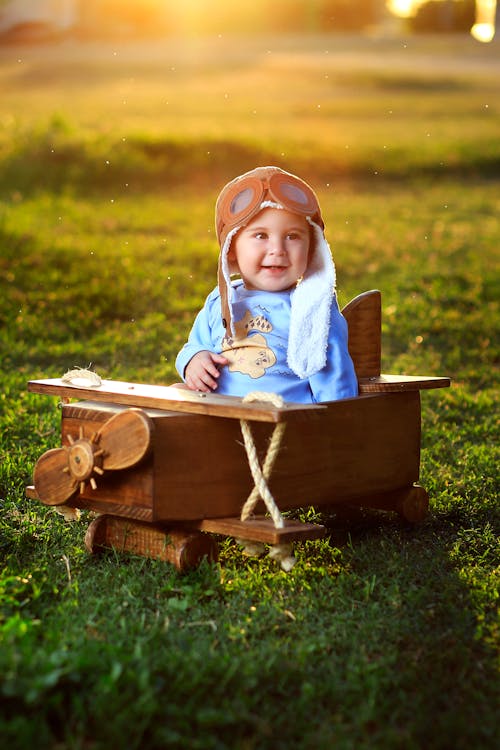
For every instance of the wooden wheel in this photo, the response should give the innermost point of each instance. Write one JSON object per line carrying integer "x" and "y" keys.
{"x": 184, "y": 547}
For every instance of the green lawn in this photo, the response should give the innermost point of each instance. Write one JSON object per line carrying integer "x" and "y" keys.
{"x": 382, "y": 636}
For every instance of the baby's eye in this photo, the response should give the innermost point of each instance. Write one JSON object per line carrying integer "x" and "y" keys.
{"x": 260, "y": 236}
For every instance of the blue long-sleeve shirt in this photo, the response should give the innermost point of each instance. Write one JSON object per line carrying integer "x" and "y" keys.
{"x": 258, "y": 356}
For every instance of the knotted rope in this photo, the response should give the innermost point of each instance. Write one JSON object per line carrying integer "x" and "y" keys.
{"x": 261, "y": 474}
{"x": 280, "y": 552}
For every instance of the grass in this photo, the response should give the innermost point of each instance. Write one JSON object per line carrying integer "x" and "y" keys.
{"x": 382, "y": 636}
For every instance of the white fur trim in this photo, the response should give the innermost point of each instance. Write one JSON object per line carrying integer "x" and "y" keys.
{"x": 270, "y": 204}
{"x": 227, "y": 274}
{"x": 310, "y": 311}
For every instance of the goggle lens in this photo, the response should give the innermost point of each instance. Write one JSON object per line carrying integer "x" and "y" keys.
{"x": 241, "y": 201}
{"x": 294, "y": 193}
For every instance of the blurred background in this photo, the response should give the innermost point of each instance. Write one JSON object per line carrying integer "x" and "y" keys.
{"x": 120, "y": 120}
{"x": 37, "y": 20}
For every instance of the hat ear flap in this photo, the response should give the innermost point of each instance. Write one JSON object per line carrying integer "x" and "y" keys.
{"x": 232, "y": 263}
{"x": 226, "y": 266}
{"x": 311, "y": 310}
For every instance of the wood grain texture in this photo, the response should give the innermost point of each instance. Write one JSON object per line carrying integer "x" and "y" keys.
{"x": 125, "y": 438}
{"x": 184, "y": 548}
{"x": 52, "y": 485}
{"x": 398, "y": 383}
{"x": 261, "y": 529}
{"x": 173, "y": 398}
{"x": 364, "y": 320}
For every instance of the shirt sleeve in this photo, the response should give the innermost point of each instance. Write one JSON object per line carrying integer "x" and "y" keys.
{"x": 201, "y": 337}
{"x": 337, "y": 379}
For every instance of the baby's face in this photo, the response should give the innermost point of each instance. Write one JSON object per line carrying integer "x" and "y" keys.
{"x": 272, "y": 251}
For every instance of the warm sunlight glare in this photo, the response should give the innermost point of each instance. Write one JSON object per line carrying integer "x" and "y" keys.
{"x": 484, "y": 28}
{"x": 403, "y": 8}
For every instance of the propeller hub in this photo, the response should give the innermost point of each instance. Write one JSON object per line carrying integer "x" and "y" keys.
{"x": 81, "y": 460}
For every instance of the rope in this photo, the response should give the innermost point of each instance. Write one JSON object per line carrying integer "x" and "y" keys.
{"x": 279, "y": 552}
{"x": 261, "y": 475}
{"x": 283, "y": 554}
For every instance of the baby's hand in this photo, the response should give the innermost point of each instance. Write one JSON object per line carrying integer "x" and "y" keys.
{"x": 202, "y": 372}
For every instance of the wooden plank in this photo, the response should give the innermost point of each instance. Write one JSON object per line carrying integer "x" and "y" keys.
{"x": 109, "y": 507}
{"x": 398, "y": 383}
{"x": 261, "y": 529}
{"x": 173, "y": 398}
{"x": 364, "y": 320}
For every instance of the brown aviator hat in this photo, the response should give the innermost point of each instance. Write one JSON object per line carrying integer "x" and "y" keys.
{"x": 238, "y": 202}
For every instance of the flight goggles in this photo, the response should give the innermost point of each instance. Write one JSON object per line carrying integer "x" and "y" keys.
{"x": 241, "y": 199}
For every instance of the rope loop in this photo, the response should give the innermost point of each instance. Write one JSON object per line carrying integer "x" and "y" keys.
{"x": 274, "y": 398}
{"x": 261, "y": 474}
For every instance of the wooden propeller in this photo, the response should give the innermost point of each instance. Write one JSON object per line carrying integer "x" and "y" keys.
{"x": 120, "y": 443}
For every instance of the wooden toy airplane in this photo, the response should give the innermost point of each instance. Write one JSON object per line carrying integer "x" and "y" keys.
{"x": 167, "y": 468}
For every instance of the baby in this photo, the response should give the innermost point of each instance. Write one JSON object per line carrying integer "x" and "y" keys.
{"x": 277, "y": 328}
